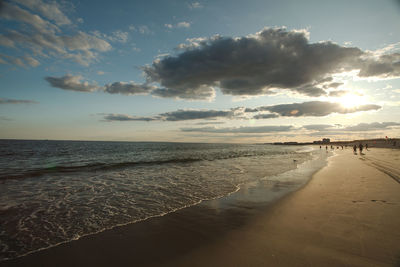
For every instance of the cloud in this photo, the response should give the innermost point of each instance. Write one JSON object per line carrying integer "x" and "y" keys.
{"x": 338, "y": 93}
{"x": 296, "y": 131}
{"x": 182, "y": 24}
{"x": 315, "y": 108}
{"x": 243, "y": 129}
{"x": 195, "y": 5}
{"x": 362, "y": 127}
{"x": 179, "y": 115}
{"x": 119, "y": 36}
{"x": 143, "y": 29}
{"x": 41, "y": 37}
{"x": 13, "y": 12}
{"x": 210, "y": 122}
{"x": 200, "y": 93}
{"x": 16, "y": 101}
{"x": 385, "y": 66}
{"x": 345, "y": 130}
{"x": 31, "y": 61}
{"x": 333, "y": 85}
{"x": 50, "y": 10}
{"x": 318, "y": 127}
{"x": 73, "y": 83}
{"x": 262, "y": 63}
{"x": 253, "y": 65}
{"x": 128, "y": 88}
{"x": 22, "y": 62}
{"x": 124, "y": 117}
{"x": 265, "y": 116}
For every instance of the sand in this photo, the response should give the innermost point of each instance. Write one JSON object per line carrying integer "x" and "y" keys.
{"x": 347, "y": 215}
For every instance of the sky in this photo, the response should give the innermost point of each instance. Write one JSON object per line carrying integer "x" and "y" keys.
{"x": 199, "y": 71}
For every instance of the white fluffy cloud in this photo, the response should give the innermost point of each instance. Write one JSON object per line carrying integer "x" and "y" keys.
{"x": 42, "y": 34}
{"x": 195, "y": 5}
{"x": 182, "y": 24}
{"x": 49, "y": 10}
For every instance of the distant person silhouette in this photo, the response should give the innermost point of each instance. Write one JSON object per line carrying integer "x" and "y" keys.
{"x": 355, "y": 149}
{"x": 360, "y": 147}
{"x": 366, "y": 147}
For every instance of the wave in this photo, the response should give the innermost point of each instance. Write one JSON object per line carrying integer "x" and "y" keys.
{"x": 101, "y": 166}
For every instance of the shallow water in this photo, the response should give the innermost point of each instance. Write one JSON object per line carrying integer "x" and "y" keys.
{"x": 56, "y": 191}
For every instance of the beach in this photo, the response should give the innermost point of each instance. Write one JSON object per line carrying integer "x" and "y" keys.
{"x": 346, "y": 215}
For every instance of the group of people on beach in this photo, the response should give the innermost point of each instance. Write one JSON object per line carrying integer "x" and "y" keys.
{"x": 360, "y": 147}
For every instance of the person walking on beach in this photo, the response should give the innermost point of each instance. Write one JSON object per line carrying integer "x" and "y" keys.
{"x": 360, "y": 147}
{"x": 366, "y": 147}
{"x": 355, "y": 149}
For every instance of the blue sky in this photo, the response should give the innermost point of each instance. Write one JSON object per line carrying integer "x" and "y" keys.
{"x": 199, "y": 71}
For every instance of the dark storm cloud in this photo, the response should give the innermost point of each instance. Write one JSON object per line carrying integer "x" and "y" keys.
{"x": 16, "y": 101}
{"x": 244, "y": 129}
{"x": 314, "y": 108}
{"x": 272, "y": 58}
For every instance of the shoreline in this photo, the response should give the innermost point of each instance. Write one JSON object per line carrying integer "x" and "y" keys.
{"x": 202, "y": 235}
{"x": 340, "y": 218}
{"x": 242, "y": 204}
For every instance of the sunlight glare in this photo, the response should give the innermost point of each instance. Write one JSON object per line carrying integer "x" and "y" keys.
{"x": 351, "y": 100}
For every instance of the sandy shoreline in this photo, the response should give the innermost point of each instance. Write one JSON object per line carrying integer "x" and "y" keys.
{"x": 347, "y": 215}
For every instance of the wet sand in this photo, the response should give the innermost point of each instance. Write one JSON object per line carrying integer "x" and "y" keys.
{"x": 347, "y": 215}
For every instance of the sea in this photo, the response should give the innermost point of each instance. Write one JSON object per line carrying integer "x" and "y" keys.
{"x": 53, "y": 192}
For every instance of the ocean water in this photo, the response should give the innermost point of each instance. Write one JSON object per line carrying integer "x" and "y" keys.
{"x": 53, "y": 192}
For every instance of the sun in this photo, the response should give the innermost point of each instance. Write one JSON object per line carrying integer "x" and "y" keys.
{"x": 351, "y": 100}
